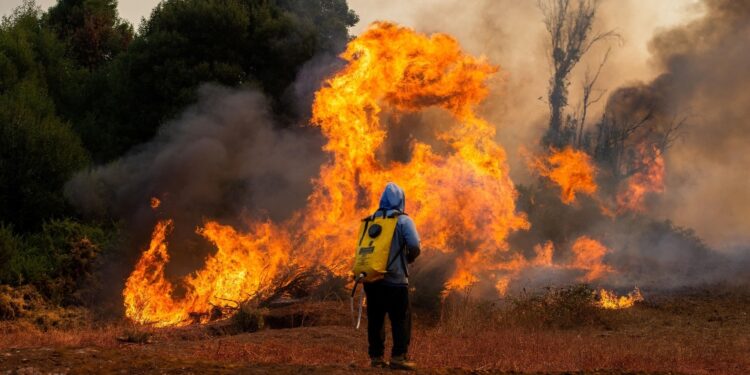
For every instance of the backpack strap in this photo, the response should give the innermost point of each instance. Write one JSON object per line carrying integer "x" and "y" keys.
{"x": 400, "y": 253}
{"x": 367, "y": 221}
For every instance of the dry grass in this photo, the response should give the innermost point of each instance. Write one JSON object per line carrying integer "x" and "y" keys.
{"x": 695, "y": 333}
{"x": 26, "y": 335}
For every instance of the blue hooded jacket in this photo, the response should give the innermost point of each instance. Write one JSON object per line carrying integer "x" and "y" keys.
{"x": 405, "y": 237}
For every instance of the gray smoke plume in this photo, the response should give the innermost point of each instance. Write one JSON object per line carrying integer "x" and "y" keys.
{"x": 707, "y": 77}
{"x": 222, "y": 159}
{"x": 705, "y": 204}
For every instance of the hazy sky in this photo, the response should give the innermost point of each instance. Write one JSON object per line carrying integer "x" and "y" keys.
{"x": 132, "y": 10}
{"x": 661, "y": 13}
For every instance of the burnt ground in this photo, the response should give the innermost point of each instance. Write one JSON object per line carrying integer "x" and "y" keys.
{"x": 693, "y": 332}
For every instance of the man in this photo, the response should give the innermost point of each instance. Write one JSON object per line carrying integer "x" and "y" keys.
{"x": 391, "y": 294}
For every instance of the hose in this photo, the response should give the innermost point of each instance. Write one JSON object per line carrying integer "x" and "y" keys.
{"x": 357, "y": 281}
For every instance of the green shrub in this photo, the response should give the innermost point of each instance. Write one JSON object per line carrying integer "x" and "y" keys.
{"x": 58, "y": 261}
{"x": 9, "y": 245}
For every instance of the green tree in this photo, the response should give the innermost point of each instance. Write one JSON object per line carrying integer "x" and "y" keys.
{"x": 38, "y": 150}
{"x": 185, "y": 43}
{"x": 94, "y": 32}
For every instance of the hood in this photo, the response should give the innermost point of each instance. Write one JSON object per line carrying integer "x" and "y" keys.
{"x": 393, "y": 198}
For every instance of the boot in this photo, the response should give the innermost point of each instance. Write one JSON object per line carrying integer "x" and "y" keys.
{"x": 378, "y": 362}
{"x": 400, "y": 362}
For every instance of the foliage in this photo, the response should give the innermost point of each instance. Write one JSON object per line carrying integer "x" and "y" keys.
{"x": 185, "y": 43}
{"x": 92, "y": 29}
{"x": 77, "y": 83}
{"x": 18, "y": 302}
{"x": 38, "y": 150}
{"x": 59, "y": 260}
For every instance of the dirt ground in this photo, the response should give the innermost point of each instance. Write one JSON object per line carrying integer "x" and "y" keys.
{"x": 697, "y": 332}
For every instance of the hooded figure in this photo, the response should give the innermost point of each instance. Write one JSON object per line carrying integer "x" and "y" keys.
{"x": 391, "y": 294}
{"x": 405, "y": 244}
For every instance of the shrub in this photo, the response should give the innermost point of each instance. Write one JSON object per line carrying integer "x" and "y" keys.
{"x": 18, "y": 302}
{"x": 566, "y": 307}
{"x": 58, "y": 261}
{"x": 460, "y": 315}
{"x": 9, "y": 246}
{"x": 249, "y": 318}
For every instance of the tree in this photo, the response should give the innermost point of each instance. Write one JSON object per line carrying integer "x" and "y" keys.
{"x": 569, "y": 28}
{"x": 92, "y": 29}
{"x": 185, "y": 43}
{"x": 634, "y": 126}
{"x": 38, "y": 150}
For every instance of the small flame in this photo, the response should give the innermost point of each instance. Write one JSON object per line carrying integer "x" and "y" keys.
{"x": 544, "y": 254}
{"x": 609, "y": 299}
{"x": 570, "y": 169}
{"x": 155, "y": 203}
{"x": 649, "y": 179}
{"x": 589, "y": 255}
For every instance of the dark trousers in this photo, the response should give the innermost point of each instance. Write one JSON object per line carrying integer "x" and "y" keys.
{"x": 392, "y": 300}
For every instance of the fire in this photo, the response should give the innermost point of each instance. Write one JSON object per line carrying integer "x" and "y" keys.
{"x": 570, "y": 169}
{"x": 155, "y": 203}
{"x": 649, "y": 179}
{"x": 462, "y": 200}
{"x": 147, "y": 293}
{"x": 544, "y": 254}
{"x": 240, "y": 267}
{"x": 610, "y": 300}
{"x": 589, "y": 255}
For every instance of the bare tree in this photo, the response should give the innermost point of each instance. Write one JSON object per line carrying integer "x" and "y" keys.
{"x": 588, "y": 88}
{"x": 569, "y": 27}
{"x": 620, "y": 135}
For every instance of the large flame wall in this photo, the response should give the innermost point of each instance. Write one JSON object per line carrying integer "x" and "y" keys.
{"x": 462, "y": 200}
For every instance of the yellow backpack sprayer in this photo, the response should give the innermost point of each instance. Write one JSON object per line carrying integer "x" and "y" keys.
{"x": 373, "y": 250}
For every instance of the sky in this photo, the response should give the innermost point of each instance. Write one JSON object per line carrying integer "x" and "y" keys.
{"x": 661, "y": 13}
{"x": 131, "y": 10}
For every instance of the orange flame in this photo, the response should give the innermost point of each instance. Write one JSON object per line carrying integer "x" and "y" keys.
{"x": 570, "y": 169}
{"x": 610, "y": 300}
{"x": 650, "y": 179}
{"x": 589, "y": 255}
{"x": 155, "y": 203}
{"x": 544, "y": 254}
{"x": 462, "y": 201}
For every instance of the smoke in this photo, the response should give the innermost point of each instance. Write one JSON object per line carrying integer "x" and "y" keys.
{"x": 511, "y": 34}
{"x": 223, "y": 159}
{"x": 706, "y": 78}
{"x": 680, "y": 59}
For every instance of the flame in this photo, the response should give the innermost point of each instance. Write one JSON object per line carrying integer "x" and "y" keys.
{"x": 610, "y": 300}
{"x": 570, "y": 169}
{"x": 589, "y": 255}
{"x": 462, "y": 200}
{"x": 544, "y": 254}
{"x": 155, "y": 203}
{"x": 147, "y": 294}
{"x": 649, "y": 179}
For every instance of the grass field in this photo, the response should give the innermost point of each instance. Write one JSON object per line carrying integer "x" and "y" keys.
{"x": 694, "y": 332}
